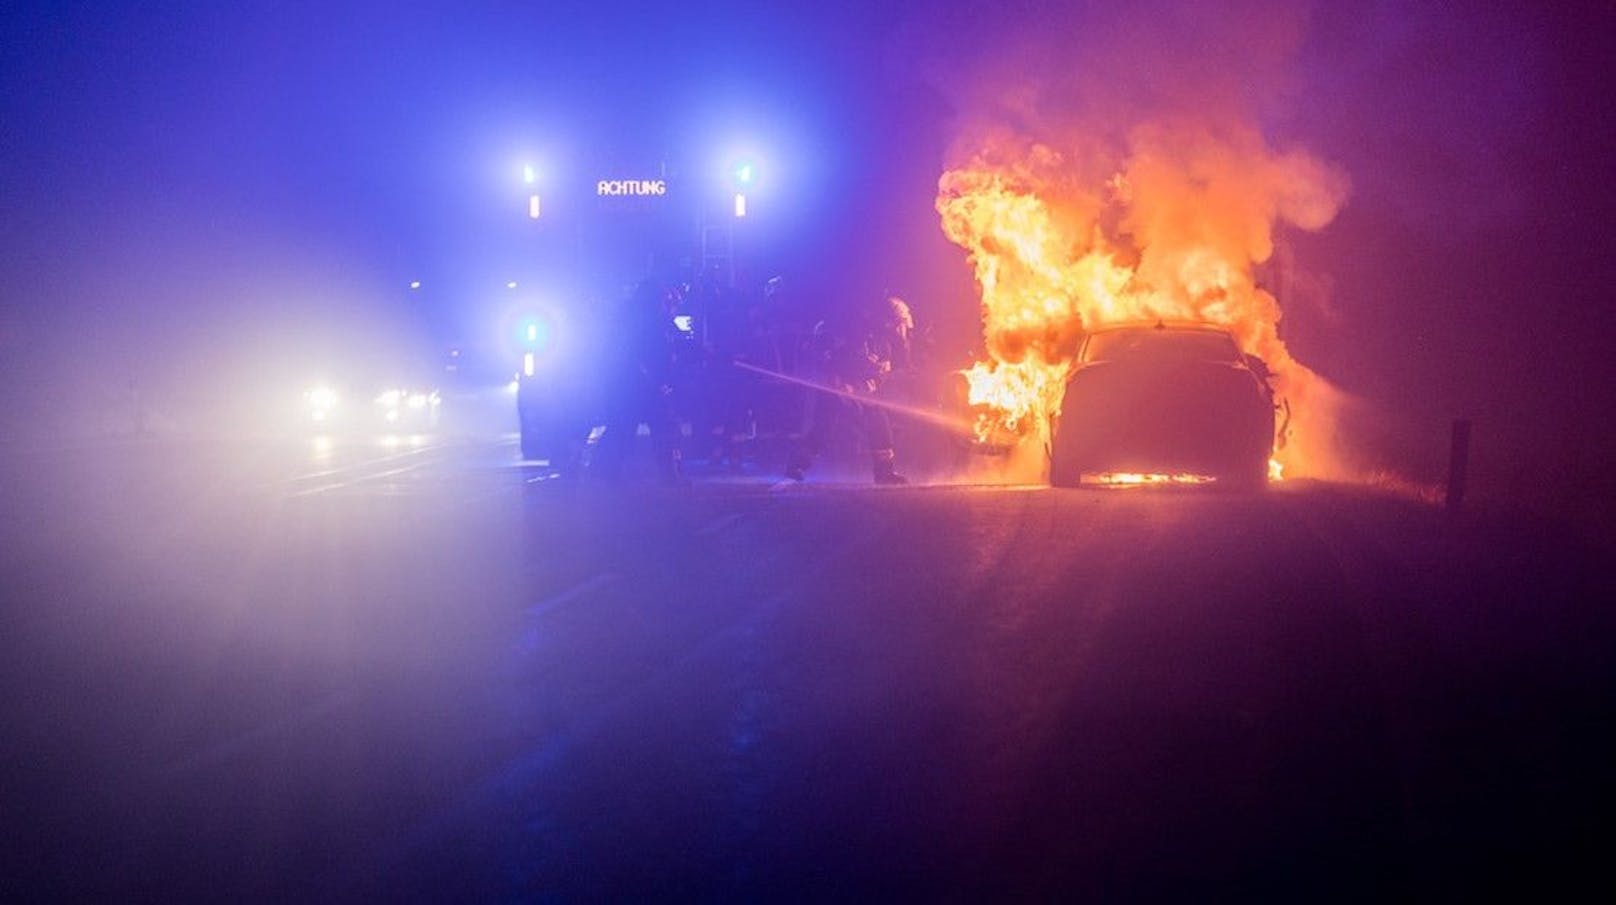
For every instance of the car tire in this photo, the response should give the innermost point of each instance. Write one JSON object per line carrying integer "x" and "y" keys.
{"x": 1064, "y": 470}
{"x": 532, "y": 446}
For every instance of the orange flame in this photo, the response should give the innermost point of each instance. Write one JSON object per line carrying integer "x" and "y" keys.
{"x": 1134, "y": 479}
{"x": 1172, "y": 225}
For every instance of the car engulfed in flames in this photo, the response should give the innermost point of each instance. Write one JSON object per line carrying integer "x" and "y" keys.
{"x": 1152, "y": 404}
{"x": 1077, "y": 236}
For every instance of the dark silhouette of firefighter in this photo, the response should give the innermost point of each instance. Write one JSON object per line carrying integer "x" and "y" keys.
{"x": 852, "y": 363}
{"x": 892, "y": 332}
{"x": 725, "y": 331}
{"x": 643, "y": 356}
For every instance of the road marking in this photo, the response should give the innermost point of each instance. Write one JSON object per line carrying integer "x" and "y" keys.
{"x": 531, "y": 636}
{"x": 556, "y": 601}
{"x": 310, "y": 491}
{"x": 367, "y": 463}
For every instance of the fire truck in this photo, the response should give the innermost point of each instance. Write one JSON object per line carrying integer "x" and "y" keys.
{"x": 596, "y": 237}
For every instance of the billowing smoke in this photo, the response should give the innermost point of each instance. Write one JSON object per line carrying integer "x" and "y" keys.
{"x": 1122, "y": 165}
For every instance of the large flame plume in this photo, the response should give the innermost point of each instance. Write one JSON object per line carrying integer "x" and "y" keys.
{"x": 1169, "y": 222}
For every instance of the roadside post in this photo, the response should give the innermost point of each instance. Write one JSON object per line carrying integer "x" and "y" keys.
{"x": 1458, "y": 465}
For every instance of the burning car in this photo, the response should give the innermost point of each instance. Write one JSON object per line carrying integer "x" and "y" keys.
{"x": 1164, "y": 403}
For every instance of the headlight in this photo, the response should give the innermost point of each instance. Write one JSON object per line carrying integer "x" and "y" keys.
{"x": 321, "y": 401}
{"x": 404, "y": 402}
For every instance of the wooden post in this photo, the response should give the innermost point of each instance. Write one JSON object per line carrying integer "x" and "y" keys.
{"x": 1458, "y": 465}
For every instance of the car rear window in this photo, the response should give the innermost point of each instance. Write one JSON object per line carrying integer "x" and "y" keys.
{"x": 1172, "y": 345}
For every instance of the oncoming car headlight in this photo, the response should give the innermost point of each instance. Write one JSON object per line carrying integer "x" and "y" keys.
{"x": 321, "y": 401}
{"x": 396, "y": 404}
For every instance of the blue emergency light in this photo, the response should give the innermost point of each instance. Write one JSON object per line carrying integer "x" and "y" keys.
{"x": 535, "y": 333}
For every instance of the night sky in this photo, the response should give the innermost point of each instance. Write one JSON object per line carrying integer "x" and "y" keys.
{"x": 182, "y": 178}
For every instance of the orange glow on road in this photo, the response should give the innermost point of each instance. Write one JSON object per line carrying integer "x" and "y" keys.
{"x": 1136, "y": 479}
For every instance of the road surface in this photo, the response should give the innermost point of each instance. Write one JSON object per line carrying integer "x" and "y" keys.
{"x": 422, "y": 671}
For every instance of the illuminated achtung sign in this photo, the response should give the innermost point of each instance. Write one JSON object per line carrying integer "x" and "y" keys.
{"x": 614, "y": 187}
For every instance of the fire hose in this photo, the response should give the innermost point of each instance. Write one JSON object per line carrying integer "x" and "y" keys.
{"x": 909, "y": 411}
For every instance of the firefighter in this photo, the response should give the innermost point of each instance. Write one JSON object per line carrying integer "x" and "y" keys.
{"x": 892, "y": 331}
{"x": 854, "y": 363}
{"x": 640, "y": 383}
{"x": 723, "y": 333}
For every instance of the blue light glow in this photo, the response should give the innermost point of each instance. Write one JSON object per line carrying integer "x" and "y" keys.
{"x": 535, "y": 333}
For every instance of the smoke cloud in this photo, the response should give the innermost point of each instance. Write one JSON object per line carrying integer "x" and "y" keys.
{"x": 1116, "y": 164}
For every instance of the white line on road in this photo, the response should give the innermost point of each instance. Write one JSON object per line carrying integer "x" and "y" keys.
{"x": 358, "y": 465}
{"x": 582, "y": 588}
{"x": 531, "y": 635}
{"x": 310, "y": 491}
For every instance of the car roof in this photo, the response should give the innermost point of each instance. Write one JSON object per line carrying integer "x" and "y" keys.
{"x": 1163, "y": 326}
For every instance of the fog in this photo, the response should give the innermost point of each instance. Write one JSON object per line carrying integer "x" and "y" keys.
{"x": 200, "y": 201}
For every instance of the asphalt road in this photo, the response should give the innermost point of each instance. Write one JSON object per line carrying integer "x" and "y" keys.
{"x": 420, "y": 671}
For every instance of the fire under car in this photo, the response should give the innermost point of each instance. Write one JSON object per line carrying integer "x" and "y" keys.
{"x": 1164, "y": 403}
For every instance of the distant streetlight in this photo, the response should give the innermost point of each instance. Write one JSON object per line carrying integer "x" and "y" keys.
{"x": 511, "y": 285}
{"x": 533, "y": 207}
{"x": 740, "y": 204}
{"x": 528, "y": 175}
{"x": 415, "y": 284}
